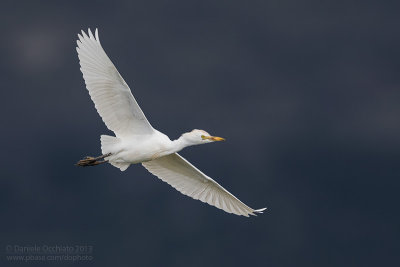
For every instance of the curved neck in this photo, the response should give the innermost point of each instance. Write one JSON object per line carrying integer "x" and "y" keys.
{"x": 179, "y": 144}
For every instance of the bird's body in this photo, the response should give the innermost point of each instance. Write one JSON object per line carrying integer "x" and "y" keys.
{"x": 137, "y": 149}
{"x": 136, "y": 141}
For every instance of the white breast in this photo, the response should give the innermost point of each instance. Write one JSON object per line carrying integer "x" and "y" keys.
{"x": 144, "y": 148}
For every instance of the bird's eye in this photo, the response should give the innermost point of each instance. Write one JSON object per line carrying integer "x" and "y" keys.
{"x": 203, "y": 137}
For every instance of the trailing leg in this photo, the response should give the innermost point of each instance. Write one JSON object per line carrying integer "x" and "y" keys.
{"x": 92, "y": 161}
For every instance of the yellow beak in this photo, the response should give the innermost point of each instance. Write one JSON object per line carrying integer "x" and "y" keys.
{"x": 214, "y": 138}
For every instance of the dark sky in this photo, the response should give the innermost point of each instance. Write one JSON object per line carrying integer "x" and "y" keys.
{"x": 307, "y": 94}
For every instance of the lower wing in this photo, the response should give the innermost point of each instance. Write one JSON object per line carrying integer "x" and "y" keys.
{"x": 187, "y": 179}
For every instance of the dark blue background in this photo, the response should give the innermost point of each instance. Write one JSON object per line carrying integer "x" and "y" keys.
{"x": 307, "y": 94}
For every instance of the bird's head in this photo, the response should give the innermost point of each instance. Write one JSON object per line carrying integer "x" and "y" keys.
{"x": 197, "y": 137}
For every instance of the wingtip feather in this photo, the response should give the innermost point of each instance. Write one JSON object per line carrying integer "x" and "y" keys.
{"x": 80, "y": 37}
{"x": 96, "y": 33}
{"x": 260, "y": 210}
{"x": 90, "y": 33}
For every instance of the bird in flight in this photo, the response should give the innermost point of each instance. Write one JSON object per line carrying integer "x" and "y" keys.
{"x": 136, "y": 141}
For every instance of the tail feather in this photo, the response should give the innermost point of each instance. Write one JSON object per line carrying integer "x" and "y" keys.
{"x": 109, "y": 144}
{"x": 121, "y": 165}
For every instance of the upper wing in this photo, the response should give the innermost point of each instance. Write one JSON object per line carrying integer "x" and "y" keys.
{"x": 110, "y": 93}
{"x": 184, "y": 177}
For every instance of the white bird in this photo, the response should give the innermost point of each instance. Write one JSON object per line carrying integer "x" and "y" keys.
{"x": 136, "y": 141}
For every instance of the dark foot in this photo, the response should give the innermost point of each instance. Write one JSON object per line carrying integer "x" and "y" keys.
{"x": 91, "y": 161}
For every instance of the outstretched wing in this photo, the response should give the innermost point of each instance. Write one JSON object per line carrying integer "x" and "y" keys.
{"x": 110, "y": 93}
{"x": 184, "y": 177}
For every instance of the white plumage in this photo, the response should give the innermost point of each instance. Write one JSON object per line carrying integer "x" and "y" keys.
{"x": 136, "y": 141}
{"x": 110, "y": 93}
